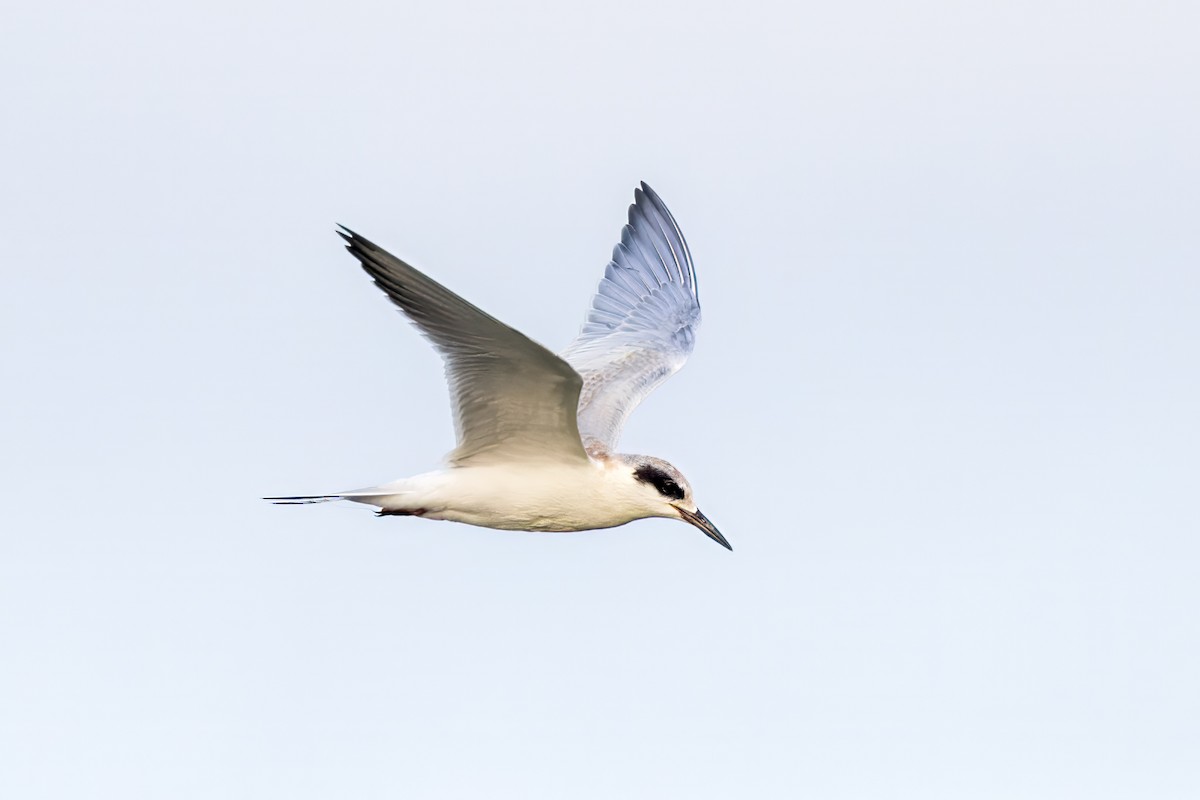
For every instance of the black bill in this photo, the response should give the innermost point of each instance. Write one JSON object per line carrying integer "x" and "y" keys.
{"x": 701, "y": 522}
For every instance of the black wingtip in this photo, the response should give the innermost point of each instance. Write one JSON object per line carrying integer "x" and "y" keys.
{"x": 356, "y": 243}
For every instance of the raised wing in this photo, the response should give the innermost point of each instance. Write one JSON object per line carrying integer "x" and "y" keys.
{"x": 642, "y": 323}
{"x": 513, "y": 399}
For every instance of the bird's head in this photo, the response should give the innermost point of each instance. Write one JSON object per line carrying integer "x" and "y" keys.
{"x": 664, "y": 492}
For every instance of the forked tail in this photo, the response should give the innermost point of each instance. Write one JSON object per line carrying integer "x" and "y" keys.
{"x": 304, "y": 499}
{"x": 373, "y": 496}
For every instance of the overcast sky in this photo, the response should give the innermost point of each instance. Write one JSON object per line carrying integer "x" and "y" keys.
{"x": 943, "y": 405}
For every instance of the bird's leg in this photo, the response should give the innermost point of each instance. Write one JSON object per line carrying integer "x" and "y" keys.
{"x": 401, "y": 512}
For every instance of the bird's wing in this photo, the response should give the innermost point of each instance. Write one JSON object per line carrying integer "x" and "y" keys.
{"x": 642, "y": 324}
{"x": 513, "y": 399}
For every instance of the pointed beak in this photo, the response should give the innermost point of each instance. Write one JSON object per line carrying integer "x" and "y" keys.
{"x": 701, "y": 522}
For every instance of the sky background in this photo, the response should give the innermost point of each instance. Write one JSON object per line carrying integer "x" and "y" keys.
{"x": 944, "y": 403}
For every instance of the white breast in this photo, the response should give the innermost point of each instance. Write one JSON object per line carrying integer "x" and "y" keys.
{"x": 528, "y": 497}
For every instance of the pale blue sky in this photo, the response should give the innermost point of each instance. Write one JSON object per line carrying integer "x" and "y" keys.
{"x": 944, "y": 404}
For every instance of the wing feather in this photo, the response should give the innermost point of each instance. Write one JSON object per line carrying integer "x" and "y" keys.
{"x": 513, "y": 399}
{"x": 642, "y": 324}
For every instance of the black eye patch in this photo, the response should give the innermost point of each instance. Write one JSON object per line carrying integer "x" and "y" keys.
{"x": 665, "y": 485}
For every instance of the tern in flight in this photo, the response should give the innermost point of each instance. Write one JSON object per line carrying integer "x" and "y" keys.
{"x": 537, "y": 433}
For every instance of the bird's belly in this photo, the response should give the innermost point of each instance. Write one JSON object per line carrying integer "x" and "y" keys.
{"x": 513, "y": 515}
{"x": 534, "y": 500}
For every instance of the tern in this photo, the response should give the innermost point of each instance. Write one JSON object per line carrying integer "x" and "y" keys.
{"x": 537, "y": 432}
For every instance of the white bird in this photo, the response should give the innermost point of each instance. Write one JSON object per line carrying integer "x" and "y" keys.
{"x": 537, "y": 433}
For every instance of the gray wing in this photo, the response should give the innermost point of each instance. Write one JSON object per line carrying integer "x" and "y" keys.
{"x": 642, "y": 324}
{"x": 513, "y": 399}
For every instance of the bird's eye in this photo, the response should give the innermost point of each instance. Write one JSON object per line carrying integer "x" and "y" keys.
{"x": 669, "y": 488}
{"x": 663, "y": 484}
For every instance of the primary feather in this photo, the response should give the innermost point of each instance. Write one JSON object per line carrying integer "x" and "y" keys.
{"x": 642, "y": 323}
{"x": 512, "y": 398}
